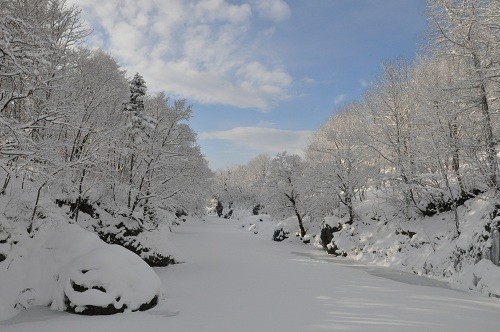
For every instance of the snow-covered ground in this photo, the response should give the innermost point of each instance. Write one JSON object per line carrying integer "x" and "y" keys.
{"x": 235, "y": 280}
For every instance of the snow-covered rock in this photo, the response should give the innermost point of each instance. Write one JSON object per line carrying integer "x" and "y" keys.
{"x": 106, "y": 280}
{"x": 284, "y": 228}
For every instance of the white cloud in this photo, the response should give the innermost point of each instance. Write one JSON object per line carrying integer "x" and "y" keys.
{"x": 263, "y": 139}
{"x": 339, "y": 99}
{"x": 307, "y": 81}
{"x": 277, "y": 10}
{"x": 363, "y": 83}
{"x": 219, "y": 10}
{"x": 256, "y": 74}
{"x": 266, "y": 124}
{"x": 200, "y": 50}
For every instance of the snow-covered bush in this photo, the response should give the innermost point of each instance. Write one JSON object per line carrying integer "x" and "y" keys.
{"x": 152, "y": 245}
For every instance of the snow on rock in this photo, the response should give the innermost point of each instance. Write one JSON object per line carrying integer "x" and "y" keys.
{"x": 107, "y": 280}
{"x": 37, "y": 268}
{"x": 284, "y": 228}
{"x": 160, "y": 250}
{"x": 487, "y": 278}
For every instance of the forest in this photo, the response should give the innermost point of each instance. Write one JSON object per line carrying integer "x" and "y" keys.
{"x": 95, "y": 171}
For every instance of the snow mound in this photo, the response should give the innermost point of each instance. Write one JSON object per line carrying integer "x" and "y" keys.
{"x": 483, "y": 277}
{"x": 69, "y": 268}
{"x": 107, "y": 280}
{"x": 253, "y": 223}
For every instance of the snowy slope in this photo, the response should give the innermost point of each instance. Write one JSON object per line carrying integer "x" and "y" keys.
{"x": 423, "y": 245}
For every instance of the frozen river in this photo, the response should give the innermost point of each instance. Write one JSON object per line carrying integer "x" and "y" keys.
{"x": 233, "y": 280}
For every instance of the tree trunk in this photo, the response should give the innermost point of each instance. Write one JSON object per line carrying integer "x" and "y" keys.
{"x": 350, "y": 208}
{"x": 130, "y": 181}
{"x": 79, "y": 199}
{"x": 487, "y": 128}
{"x": 301, "y": 224}
{"x": 30, "y": 226}
{"x": 5, "y": 184}
{"x": 489, "y": 141}
{"x": 455, "y": 161}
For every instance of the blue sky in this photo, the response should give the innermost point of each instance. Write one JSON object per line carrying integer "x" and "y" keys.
{"x": 262, "y": 75}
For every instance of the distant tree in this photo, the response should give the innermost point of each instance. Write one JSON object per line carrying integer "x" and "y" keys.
{"x": 242, "y": 186}
{"x": 284, "y": 196}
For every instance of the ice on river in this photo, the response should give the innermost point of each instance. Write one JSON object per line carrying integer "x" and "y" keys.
{"x": 234, "y": 280}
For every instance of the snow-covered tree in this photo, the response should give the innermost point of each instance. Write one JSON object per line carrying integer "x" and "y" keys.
{"x": 284, "y": 195}
{"x": 468, "y": 30}
{"x": 394, "y": 132}
{"x": 137, "y": 130}
{"x": 340, "y": 162}
{"x": 99, "y": 89}
{"x": 177, "y": 173}
{"x": 25, "y": 54}
{"x": 35, "y": 69}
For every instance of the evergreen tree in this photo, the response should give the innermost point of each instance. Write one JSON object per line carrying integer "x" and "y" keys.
{"x": 138, "y": 125}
